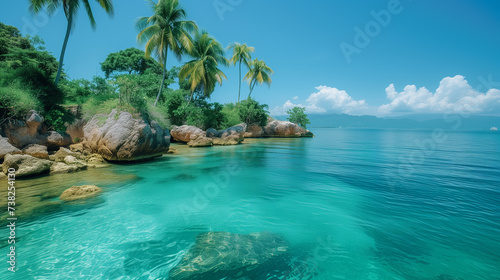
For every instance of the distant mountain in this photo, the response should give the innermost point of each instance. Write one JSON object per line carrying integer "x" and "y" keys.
{"x": 405, "y": 122}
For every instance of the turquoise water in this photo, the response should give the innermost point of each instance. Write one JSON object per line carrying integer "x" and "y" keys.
{"x": 353, "y": 204}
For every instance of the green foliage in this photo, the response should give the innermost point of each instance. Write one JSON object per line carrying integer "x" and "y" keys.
{"x": 131, "y": 60}
{"x": 251, "y": 112}
{"x": 174, "y": 104}
{"x": 259, "y": 73}
{"x": 16, "y": 101}
{"x": 57, "y": 117}
{"x": 298, "y": 116}
{"x": 231, "y": 115}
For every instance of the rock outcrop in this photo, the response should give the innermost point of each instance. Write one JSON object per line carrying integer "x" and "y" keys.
{"x": 216, "y": 255}
{"x": 230, "y": 136}
{"x": 25, "y": 165}
{"x": 31, "y": 131}
{"x": 201, "y": 142}
{"x": 120, "y": 137}
{"x": 37, "y": 151}
{"x": 7, "y": 148}
{"x": 254, "y": 131}
{"x": 186, "y": 133}
{"x": 80, "y": 192}
{"x": 63, "y": 153}
{"x": 286, "y": 129}
{"x": 68, "y": 167}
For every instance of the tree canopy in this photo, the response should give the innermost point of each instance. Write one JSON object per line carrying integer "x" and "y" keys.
{"x": 131, "y": 61}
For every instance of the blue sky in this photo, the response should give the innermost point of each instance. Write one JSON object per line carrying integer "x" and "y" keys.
{"x": 447, "y": 49}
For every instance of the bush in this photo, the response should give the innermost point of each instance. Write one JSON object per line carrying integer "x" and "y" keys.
{"x": 298, "y": 116}
{"x": 16, "y": 102}
{"x": 251, "y": 112}
{"x": 57, "y": 118}
{"x": 231, "y": 115}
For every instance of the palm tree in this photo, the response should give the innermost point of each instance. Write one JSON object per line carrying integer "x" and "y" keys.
{"x": 165, "y": 30}
{"x": 259, "y": 73}
{"x": 203, "y": 71}
{"x": 71, "y": 8}
{"x": 241, "y": 54}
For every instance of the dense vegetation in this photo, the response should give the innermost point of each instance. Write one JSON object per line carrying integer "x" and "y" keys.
{"x": 134, "y": 80}
{"x": 297, "y": 115}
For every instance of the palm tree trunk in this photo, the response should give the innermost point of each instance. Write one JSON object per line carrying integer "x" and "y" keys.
{"x": 251, "y": 88}
{"x": 239, "y": 92}
{"x": 65, "y": 44}
{"x": 163, "y": 79}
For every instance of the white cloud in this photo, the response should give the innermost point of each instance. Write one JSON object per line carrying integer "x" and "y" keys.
{"x": 327, "y": 100}
{"x": 454, "y": 95}
{"x": 295, "y": 98}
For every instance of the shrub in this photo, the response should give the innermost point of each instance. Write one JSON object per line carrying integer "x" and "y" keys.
{"x": 16, "y": 102}
{"x": 251, "y": 112}
{"x": 231, "y": 115}
{"x": 298, "y": 116}
{"x": 57, "y": 118}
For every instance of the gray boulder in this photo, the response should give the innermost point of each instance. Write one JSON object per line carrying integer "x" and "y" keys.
{"x": 120, "y": 137}
{"x": 7, "y": 148}
{"x": 230, "y": 136}
{"x": 25, "y": 165}
{"x": 201, "y": 142}
{"x": 62, "y": 167}
{"x": 54, "y": 139}
{"x": 63, "y": 153}
{"x": 221, "y": 254}
{"x": 254, "y": 131}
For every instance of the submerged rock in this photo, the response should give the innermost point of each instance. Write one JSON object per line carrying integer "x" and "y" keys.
{"x": 186, "y": 133}
{"x": 26, "y": 165}
{"x": 120, "y": 137}
{"x": 37, "y": 151}
{"x": 80, "y": 192}
{"x": 229, "y": 136}
{"x": 221, "y": 254}
{"x": 7, "y": 148}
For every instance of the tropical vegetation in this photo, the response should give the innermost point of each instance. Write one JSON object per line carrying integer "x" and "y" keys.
{"x": 297, "y": 115}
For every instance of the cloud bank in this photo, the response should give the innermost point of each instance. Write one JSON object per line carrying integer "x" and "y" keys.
{"x": 454, "y": 95}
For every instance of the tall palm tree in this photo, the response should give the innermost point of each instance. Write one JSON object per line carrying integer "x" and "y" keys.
{"x": 167, "y": 29}
{"x": 259, "y": 73}
{"x": 70, "y": 8}
{"x": 203, "y": 71}
{"x": 241, "y": 54}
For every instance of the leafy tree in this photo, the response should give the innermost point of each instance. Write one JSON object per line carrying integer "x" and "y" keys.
{"x": 131, "y": 60}
{"x": 259, "y": 73}
{"x": 70, "y": 8}
{"x": 297, "y": 115}
{"x": 17, "y": 51}
{"x": 165, "y": 30}
{"x": 251, "y": 112}
{"x": 241, "y": 55}
{"x": 203, "y": 71}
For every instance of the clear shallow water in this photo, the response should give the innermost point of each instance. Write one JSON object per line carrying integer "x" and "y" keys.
{"x": 353, "y": 204}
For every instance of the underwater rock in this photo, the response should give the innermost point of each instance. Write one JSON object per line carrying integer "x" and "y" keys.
{"x": 216, "y": 255}
{"x": 80, "y": 192}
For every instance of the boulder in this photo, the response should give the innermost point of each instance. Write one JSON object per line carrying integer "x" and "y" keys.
{"x": 172, "y": 151}
{"x": 77, "y": 148}
{"x": 94, "y": 158}
{"x": 186, "y": 133}
{"x": 75, "y": 130}
{"x": 120, "y": 137}
{"x": 201, "y": 142}
{"x": 70, "y": 160}
{"x": 62, "y": 167}
{"x": 254, "y": 131}
{"x": 216, "y": 255}
{"x": 285, "y": 129}
{"x": 80, "y": 192}
{"x": 7, "y": 148}
{"x": 63, "y": 153}
{"x": 230, "y": 136}
{"x": 55, "y": 139}
{"x": 37, "y": 151}
{"x": 26, "y": 165}
{"x": 24, "y": 132}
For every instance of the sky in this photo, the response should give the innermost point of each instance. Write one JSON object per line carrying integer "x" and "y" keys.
{"x": 378, "y": 57}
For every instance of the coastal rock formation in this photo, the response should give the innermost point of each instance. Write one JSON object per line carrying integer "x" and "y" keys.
{"x": 221, "y": 254}
{"x": 230, "y": 136}
{"x": 254, "y": 131}
{"x": 277, "y": 128}
{"x": 75, "y": 130}
{"x": 37, "y": 151}
{"x": 7, "y": 148}
{"x": 120, "y": 137}
{"x": 201, "y": 142}
{"x": 31, "y": 131}
{"x": 63, "y": 167}
{"x": 186, "y": 133}
{"x": 25, "y": 165}
{"x": 80, "y": 192}
{"x": 63, "y": 153}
